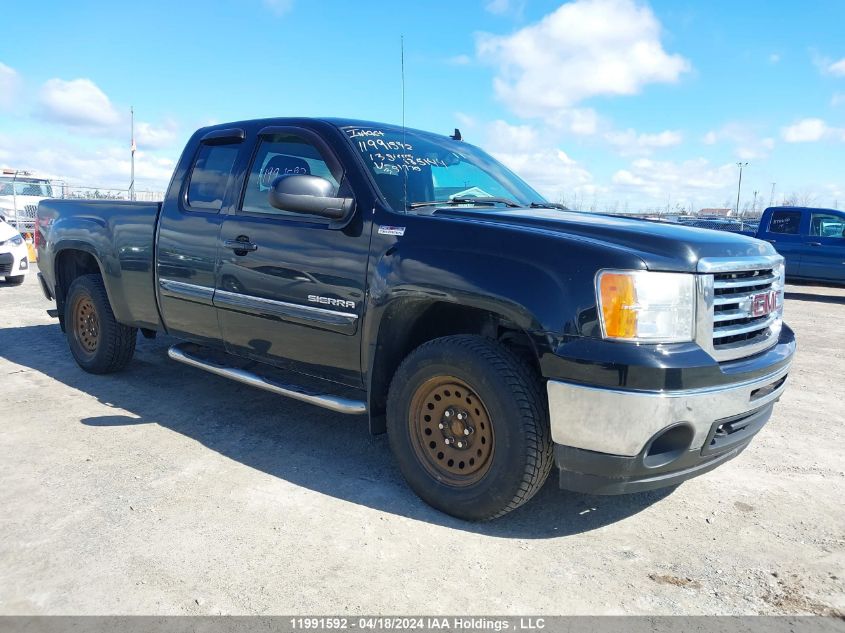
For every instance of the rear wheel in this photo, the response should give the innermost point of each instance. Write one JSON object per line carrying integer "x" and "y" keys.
{"x": 16, "y": 280}
{"x": 99, "y": 344}
{"x": 468, "y": 424}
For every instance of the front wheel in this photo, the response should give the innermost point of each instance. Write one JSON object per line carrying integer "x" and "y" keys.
{"x": 99, "y": 344}
{"x": 468, "y": 424}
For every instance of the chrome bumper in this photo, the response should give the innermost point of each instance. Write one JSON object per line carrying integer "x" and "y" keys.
{"x": 621, "y": 422}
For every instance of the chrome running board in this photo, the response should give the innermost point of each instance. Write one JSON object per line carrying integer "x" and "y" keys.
{"x": 181, "y": 352}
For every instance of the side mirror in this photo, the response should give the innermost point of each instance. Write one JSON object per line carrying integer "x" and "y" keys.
{"x": 313, "y": 195}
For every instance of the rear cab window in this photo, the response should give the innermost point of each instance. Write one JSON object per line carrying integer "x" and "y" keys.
{"x": 785, "y": 222}
{"x": 210, "y": 175}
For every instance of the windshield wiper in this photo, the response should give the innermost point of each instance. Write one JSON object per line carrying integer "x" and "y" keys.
{"x": 482, "y": 201}
{"x": 549, "y": 205}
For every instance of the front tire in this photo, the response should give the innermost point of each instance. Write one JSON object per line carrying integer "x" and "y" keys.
{"x": 468, "y": 424}
{"x": 99, "y": 344}
{"x": 15, "y": 280}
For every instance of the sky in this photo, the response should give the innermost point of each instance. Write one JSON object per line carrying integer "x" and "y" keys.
{"x": 601, "y": 104}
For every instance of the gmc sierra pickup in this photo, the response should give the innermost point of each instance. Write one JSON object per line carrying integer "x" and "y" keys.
{"x": 372, "y": 269}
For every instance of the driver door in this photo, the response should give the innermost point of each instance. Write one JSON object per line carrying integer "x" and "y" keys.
{"x": 290, "y": 288}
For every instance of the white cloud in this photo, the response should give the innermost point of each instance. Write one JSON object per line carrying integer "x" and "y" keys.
{"x": 77, "y": 162}
{"x": 9, "y": 83}
{"x": 583, "y": 49}
{"x": 512, "y": 138}
{"x": 630, "y": 142}
{"x": 504, "y": 7}
{"x": 149, "y": 136}
{"x": 805, "y": 131}
{"x": 837, "y": 68}
{"x": 78, "y": 102}
{"x": 756, "y": 150}
{"x": 579, "y": 121}
{"x": 466, "y": 121}
{"x": 748, "y": 144}
{"x": 693, "y": 180}
{"x": 774, "y": 58}
{"x": 546, "y": 167}
{"x": 279, "y": 7}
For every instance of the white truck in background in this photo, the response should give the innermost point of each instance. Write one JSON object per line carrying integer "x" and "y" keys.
{"x": 20, "y": 193}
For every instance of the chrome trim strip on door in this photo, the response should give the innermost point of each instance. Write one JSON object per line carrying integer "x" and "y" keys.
{"x": 186, "y": 291}
{"x": 224, "y": 298}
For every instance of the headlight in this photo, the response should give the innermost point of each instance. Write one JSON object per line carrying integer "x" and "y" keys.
{"x": 646, "y": 307}
{"x": 17, "y": 240}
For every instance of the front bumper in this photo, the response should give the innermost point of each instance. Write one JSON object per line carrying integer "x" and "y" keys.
{"x": 613, "y": 441}
{"x": 14, "y": 261}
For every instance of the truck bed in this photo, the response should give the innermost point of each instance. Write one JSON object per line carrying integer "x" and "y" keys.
{"x": 121, "y": 236}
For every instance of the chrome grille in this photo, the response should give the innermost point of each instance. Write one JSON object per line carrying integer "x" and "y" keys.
{"x": 739, "y": 316}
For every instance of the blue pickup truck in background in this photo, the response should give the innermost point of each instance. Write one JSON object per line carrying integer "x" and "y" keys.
{"x": 812, "y": 241}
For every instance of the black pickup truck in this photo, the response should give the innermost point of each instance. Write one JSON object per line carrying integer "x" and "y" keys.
{"x": 372, "y": 269}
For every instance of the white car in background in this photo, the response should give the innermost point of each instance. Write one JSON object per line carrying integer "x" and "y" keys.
{"x": 14, "y": 257}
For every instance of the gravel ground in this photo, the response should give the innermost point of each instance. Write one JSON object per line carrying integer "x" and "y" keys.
{"x": 166, "y": 490}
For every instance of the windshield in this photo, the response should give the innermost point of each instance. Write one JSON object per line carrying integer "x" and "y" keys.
{"x": 413, "y": 167}
{"x": 25, "y": 187}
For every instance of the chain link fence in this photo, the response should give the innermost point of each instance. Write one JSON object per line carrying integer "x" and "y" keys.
{"x": 20, "y": 195}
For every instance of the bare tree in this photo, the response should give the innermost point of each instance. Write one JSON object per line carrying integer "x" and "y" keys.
{"x": 806, "y": 198}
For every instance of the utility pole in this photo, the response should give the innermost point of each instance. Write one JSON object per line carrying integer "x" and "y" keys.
{"x": 754, "y": 204}
{"x": 739, "y": 186}
{"x": 772, "y": 199}
{"x": 132, "y": 137}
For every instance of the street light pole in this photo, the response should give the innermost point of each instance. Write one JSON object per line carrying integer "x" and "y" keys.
{"x": 739, "y": 186}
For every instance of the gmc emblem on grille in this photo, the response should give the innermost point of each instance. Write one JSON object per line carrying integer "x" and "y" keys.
{"x": 764, "y": 303}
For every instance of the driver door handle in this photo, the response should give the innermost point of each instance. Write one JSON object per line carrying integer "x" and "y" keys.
{"x": 814, "y": 243}
{"x": 241, "y": 244}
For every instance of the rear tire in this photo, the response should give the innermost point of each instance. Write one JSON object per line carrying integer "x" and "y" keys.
{"x": 17, "y": 280}
{"x": 468, "y": 425}
{"x": 99, "y": 344}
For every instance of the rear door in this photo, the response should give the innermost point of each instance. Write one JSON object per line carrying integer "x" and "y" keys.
{"x": 823, "y": 256}
{"x": 291, "y": 287}
{"x": 188, "y": 231}
{"x": 784, "y": 232}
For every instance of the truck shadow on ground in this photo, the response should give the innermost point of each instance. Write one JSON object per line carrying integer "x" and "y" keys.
{"x": 323, "y": 451}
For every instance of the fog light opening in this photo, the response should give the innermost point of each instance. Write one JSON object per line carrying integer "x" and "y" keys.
{"x": 668, "y": 445}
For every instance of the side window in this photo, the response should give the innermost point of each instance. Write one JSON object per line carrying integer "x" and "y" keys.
{"x": 210, "y": 174}
{"x": 785, "y": 222}
{"x": 825, "y": 225}
{"x": 278, "y": 155}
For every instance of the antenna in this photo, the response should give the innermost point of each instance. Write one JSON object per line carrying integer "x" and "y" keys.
{"x": 132, "y": 137}
{"x": 404, "y": 175}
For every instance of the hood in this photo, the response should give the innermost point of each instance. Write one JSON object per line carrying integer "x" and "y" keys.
{"x": 661, "y": 245}
{"x": 7, "y": 231}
